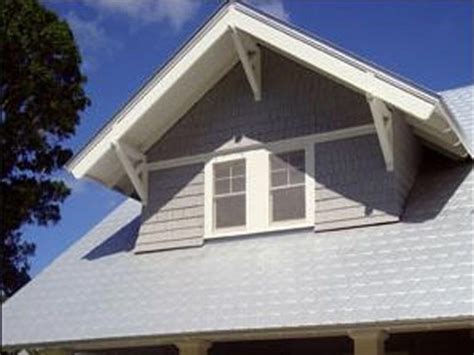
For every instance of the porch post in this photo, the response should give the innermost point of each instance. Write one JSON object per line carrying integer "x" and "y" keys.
{"x": 369, "y": 342}
{"x": 193, "y": 347}
{"x": 56, "y": 352}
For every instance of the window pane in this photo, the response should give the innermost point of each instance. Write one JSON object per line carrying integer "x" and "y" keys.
{"x": 292, "y": 164}
{"x": 288, "y": 203}
{"x": 222, "y": 186}
{"x": 278, "y": 162}
{"x": 230, "y": 211}
{"x": 238, "y": 168}
{"x": 297, "y": 159}
{"x": 279, "y": 178}
{"x": 238, "y": 184}
{"x": 296, "y": 175}
{"x": 221, "y": 170}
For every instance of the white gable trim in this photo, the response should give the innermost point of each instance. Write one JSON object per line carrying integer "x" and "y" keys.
{"x": 315, "y": 54}
{"x": 158, "y": 86}
{"x": 335, "y": 63}
{"x": 280, "y": 145}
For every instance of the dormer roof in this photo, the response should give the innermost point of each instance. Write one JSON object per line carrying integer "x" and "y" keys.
{"x": 214, "y": 50}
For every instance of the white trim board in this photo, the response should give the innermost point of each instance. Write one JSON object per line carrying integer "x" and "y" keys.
{"x": 257, "y": 209}
{"x": 210, "y": 51}
{"x": 281, "y": 145}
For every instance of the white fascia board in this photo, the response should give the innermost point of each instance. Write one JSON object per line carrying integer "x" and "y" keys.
{"x": 143, "y": 101}
{"x": 313, "y": 53}
{"x": 334, "y": 63}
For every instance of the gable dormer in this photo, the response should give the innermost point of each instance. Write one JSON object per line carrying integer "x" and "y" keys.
{"x": 256, "y": 127}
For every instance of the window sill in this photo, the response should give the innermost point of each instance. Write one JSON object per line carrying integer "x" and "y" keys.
{"x": 274, "y": 227}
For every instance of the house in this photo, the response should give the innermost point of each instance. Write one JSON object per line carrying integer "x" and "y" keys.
{"x": 286, "y": 197}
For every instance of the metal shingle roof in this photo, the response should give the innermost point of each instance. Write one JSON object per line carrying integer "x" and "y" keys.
{"x": 418, "y": 269}
{"x": 461, "y": 103}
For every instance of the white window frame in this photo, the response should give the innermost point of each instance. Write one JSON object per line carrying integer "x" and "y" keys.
{"x": 258, "y": 214}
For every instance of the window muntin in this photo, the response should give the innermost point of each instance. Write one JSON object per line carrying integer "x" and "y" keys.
{"x": 287, "y": 186}
{"x": 229, "y": 194}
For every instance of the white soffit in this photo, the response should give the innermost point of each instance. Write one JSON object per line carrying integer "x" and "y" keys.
{"x": 210, "y": 54}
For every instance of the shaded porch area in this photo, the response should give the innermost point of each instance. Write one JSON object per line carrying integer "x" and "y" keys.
{"x": 450, "y": 342}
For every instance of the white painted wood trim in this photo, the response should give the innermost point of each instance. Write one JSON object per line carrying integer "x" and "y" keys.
{"x": 208, "y": 199}
{"x": 132, "y": 152}
{"x": 132, "y": 171}
{"x": 383, "y": 122}
{"x": 258, "y": 194}
{"x": 337, "y": 64}
{"x": 306, "y": 50}
{"x": 285, "y": 144}
{"x": 128, "y": 116}
{"x": 310, "y": 184}
{"x": 251, "y": 65}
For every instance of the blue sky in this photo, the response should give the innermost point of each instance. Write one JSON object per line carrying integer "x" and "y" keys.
{"x": 123, "y": 41}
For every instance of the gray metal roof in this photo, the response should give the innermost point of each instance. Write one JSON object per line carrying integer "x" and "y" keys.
{"x": 461, "y": 103}
{"x": 418, "y": 269}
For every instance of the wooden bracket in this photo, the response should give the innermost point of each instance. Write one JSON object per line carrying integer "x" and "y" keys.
{"x": 383, "y": 121}
{"x": 250, "y": 57}
{"x": 134, "y": 164}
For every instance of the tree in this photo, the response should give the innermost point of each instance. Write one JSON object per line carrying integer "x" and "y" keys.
{"x": 41, "y": 97}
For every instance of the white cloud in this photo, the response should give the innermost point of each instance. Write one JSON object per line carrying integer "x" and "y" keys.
{"x": 95, "y": 43}
{"x": 275, "y": 8}
{"x": 92, "y": 38}
{"x": 176, "y": 12}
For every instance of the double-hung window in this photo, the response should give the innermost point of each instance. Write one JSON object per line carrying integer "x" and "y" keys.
{"x": 259, "y": 190}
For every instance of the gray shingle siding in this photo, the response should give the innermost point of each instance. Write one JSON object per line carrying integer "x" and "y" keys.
{"x": 406, "y": 154}
{"x": 296, "y": 101}
{"x": 174, "y": 215}
{"x": 353, "y": 187}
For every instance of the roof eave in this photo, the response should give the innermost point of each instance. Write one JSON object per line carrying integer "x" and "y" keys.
{"x": 393, "y": 326}
{"x": 322, "y": 56}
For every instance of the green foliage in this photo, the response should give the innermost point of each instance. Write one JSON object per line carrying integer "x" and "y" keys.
{"x": 41, "y": 96}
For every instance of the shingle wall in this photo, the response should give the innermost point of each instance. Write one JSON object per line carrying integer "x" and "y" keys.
{"x": 296, "y": 101}
{"x": 174, "y": 216}
{"x": 353, "y": 186}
